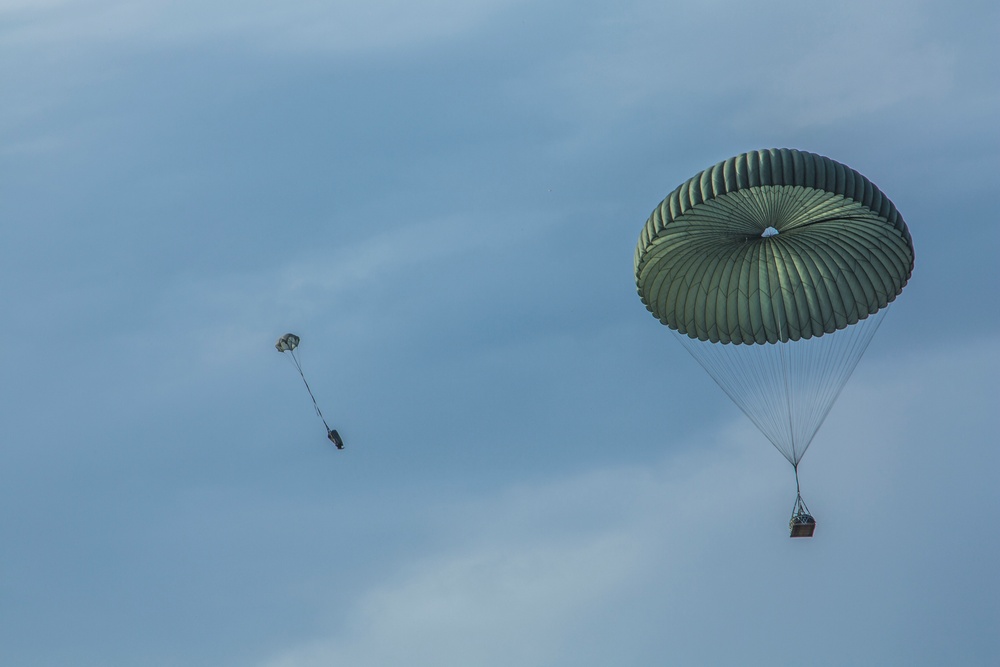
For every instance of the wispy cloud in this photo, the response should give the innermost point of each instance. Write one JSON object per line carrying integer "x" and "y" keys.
{"x": 318, "y": 289}
{"x": 857, "y": 69}
{"x": 539, "y": 563}
{"x": 787, "y": 66}
{"x": 312, "y": 25}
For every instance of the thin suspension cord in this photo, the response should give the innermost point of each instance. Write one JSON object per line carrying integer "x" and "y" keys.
{"x": 298, "y": 367}
{"x": 800, "y": 380}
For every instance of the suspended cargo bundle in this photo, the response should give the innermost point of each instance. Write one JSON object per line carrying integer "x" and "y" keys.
{"x": 287, "y": 343}
{"x": 801, "y": 524}
{"x": 774, "y": 269}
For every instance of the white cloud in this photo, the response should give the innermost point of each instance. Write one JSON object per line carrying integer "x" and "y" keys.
{"x": 539, "y": 563}
{"x": 780, "y": 67}
{"x": 217, "y": 322}
{"x": 340, "y": 27}
{"x": 857, "y": 69}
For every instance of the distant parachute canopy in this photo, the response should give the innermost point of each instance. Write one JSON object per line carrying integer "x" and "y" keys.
{"x": 287, "y": 343}
{"x": 775, "y": 268}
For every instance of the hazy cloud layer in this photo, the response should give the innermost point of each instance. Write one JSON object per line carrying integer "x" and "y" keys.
{"x": 443, "y": 199}
{"x": 631, "y": 562}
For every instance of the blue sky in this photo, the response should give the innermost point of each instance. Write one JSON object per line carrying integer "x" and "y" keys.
{"x": 442, "y": 197}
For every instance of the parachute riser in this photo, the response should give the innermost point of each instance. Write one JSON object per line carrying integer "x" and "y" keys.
{"x": 802, "y": 524}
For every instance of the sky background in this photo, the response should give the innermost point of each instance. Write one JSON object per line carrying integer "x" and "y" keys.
{"x": 442, "y": 198}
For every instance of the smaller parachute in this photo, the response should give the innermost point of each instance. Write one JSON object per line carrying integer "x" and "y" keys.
{"x": 288, "y": 343}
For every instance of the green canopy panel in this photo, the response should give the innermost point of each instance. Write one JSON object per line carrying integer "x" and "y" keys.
{"x": 772, "y": 246}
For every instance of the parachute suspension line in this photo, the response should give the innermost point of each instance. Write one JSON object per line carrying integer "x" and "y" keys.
{"x": 863, "y": 333}
{"x": 298, "y": 367}
{"x": 786, "y": 389}
{"x": 750, "y": 378}
{"x": 789, "y": 398}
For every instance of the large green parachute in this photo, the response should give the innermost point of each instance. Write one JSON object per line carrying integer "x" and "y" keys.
{"x": 775, "y": 268}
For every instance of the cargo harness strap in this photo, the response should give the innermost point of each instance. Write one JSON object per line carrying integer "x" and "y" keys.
{"x": 800, "y": 508}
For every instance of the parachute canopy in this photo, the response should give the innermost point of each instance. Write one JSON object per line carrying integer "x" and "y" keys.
{"x": 772, "y": 245}
{"x": 287, "y": 343}
{"x": 775, "y": 268}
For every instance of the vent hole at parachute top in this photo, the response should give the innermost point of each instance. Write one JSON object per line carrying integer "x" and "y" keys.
{"x": 769, "y": 232}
